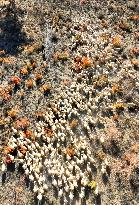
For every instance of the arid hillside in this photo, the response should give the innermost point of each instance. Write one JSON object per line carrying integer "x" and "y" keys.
{"x": 69, "y": 102}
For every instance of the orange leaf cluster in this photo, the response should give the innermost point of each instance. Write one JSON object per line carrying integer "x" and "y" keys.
{"x": 70, "y": 151}
{"x": 86, "y": 62}
{"x": 116, "y": 41}
{"x": 2, "y": 122}
{"x": 74, "y": 123}
{"x": 8, "y": 150}
{"x": 4, "y": 93}
{"x": 29, "y": 83}
{"x": 8, "y": 60}
{"x": 135, "y": 17}
{"x": 28, "y": 133}
{"x": 137, "y": 35}
{"x": 19, "y": 189}
{"x": 61, "y": 56}
{"x": 82, "y": 62}
{"x": 21, "y": 93}
{"x": 38, "y": 76}
{"x": 24, "y": 71}
{"x": 44, "y": 88}
{"x": 49, "y": 132}
{"x": 15, "y": 80}
{"x": 22, "y": 123}
{"x": 136, "y": 50}
{"x": 23, "y": 149}
{"x": 115, "y": 89}
{"x": 118, "y": 105}
{"x": 43, "y": 66}
{"x": 66, "y": 82}
{"x": 135, "y": 62}
{"x": 39, "y": 115}
{"x": 30, "y": 49}
{"x": 33, "y": 63}
{"x": 12, "y": 113}
{"x": 8, "y": 160}
{"x": 115, "y": 117}
{"x": 82, "y": 2}
{"x": 135, "y": 148}
{"x": 9, "y": 88}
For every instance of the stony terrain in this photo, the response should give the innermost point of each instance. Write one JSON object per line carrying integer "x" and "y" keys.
{"x": 69, "y": 102}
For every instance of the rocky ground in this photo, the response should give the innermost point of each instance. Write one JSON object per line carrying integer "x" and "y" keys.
{"x": 69, "y": 102}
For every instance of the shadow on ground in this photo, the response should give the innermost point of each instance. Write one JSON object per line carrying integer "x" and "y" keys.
{"x": 11, "y": 35}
